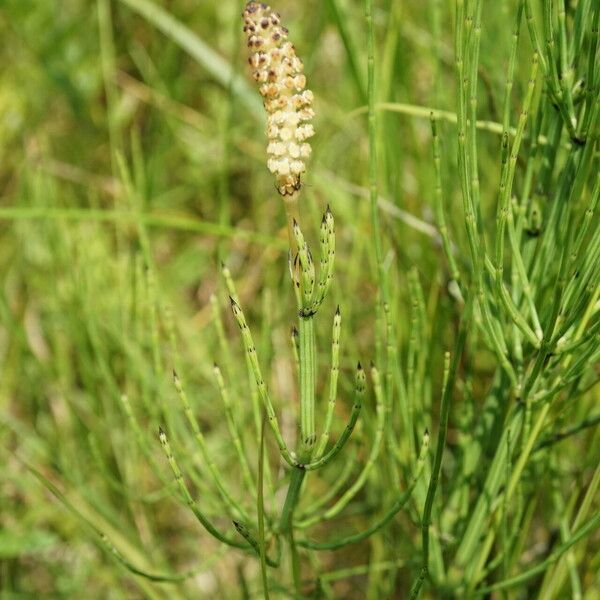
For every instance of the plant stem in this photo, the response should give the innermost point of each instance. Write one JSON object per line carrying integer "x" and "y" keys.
{"x": 307, "y": 418}
{"x": 373, "y": 148}
{"x": 260, "y": 507}
{"x": 296, "y": 573}
{"x": 307, "y": 386}
{"x": 292, "y": 213}
{"x": 384, "y": 331}
{"x": 306, "y": 354}
{"x": 451, "y": 369}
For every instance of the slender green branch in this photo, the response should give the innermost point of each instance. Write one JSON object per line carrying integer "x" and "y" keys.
{"x": 333, "y": 381}
{"x": 190, "y": 501}
{"x": 260, "y": 382}
{"x": 234, "y": 432}
{"x": 374, "y": 453}
{"x": 231, "y": 504}
{"x": 358, "y": 398}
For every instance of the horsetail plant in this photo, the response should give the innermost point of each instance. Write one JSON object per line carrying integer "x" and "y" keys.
{"x": 288, "y": 105}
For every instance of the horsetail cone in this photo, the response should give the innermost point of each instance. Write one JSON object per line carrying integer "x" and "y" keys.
{"x": 278, "y": 71}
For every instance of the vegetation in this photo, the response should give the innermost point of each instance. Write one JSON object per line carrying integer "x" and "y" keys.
{"x": 181, "y": 411}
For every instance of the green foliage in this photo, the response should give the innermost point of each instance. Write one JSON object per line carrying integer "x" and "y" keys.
{"x": 140, "y": 236}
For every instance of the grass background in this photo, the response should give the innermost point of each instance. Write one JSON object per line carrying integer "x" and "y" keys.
{"x": 130, "y": 167}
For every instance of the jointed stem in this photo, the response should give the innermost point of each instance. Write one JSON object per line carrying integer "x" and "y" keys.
{"x": 291, "y": 499}
{"x": 260, "y": 383}
{"x": 375, "y": 449}
{"x": 358, "y": 397}
{"x": 307, "y": 386}
{"x": 385, "y": 330}
{"x": 307, "y": 418}
{"x": 335, "y": 368}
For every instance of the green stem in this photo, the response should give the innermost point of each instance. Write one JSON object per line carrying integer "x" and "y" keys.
{"x": 260, "y": 507}
{"x": 384, "y": 332}
{"x": 307, "y": 418}
{"x": 296, "y": 573}
{"x": 291, "y": 500}
{"x": 307, "y": 386}
{"x": 451, "y": 370}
